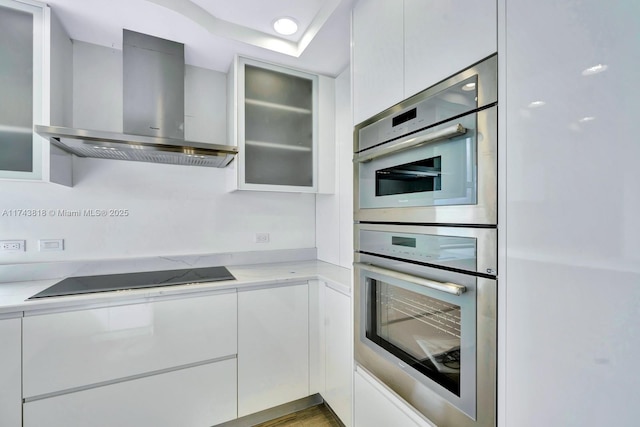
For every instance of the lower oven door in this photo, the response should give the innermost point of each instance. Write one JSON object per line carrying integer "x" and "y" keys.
{"x": 430, "y": 336}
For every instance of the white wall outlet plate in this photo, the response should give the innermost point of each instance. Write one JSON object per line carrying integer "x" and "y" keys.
{"x": 50, "y": 245}
{"x": 12, "y": 245}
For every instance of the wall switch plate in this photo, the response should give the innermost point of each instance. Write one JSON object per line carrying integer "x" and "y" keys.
{"x": 50, "y": 245}
{"x": 12, "y": 245}
{"x": 262, "y": 237}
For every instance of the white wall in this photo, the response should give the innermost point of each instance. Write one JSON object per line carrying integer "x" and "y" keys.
{"x": 334, "y": 212}
{"x": 172, "y": 209}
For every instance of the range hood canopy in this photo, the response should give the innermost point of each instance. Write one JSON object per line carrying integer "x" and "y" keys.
{"x": 118, "y": 146}
{"x": 153, "y": 75}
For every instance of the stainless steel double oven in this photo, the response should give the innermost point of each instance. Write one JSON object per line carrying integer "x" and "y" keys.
{"x": 425, "y": 174}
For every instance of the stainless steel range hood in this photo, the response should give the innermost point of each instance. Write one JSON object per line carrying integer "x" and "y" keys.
{"x": 153, "y": 113}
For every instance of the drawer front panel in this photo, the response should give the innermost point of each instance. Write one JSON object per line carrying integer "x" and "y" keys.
{"x": 73, "y": 349}
{"x": 194, "y": 397}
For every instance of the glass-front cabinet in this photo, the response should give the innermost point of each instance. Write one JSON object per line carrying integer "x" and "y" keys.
{"x": 21, "y": 79}
{"x": 275, "y": 125}
{"x": 35, "y": 62}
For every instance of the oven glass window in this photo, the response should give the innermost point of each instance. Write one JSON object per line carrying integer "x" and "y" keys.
{"x": 422, "y": 331}
{"x": 415, "y": 177}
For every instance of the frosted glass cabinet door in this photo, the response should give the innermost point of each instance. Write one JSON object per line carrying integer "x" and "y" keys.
{"x": 21, "y": 29}
{"x": 277, "y": 127}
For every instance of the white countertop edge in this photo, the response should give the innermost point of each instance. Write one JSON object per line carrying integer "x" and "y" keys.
{"x": 13, "y": 296}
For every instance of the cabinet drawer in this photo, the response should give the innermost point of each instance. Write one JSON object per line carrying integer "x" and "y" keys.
{"x": 72, "y": 349}
{"x": 195, "y": 397}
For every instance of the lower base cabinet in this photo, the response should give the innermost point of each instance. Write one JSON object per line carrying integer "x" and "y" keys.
{"x": 377, "y": 407}
{"x": 339, "y": 356}
{"x": 10, "y": 373}
{"x": 273, "y": 347}
{"x": 200, "y": 396}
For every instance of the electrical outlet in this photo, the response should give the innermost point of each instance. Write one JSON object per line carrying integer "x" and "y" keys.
{"x": 262, "y": 237}
{"x": 12, "y": 245}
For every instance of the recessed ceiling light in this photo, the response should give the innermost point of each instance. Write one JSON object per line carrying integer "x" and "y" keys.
{"x": 594, "y": 70}
{"x": 469, "y": 87}
{"x": 285, "y": 26}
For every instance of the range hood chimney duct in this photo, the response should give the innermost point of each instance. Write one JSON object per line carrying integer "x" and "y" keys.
{"x": 153, "y": 76}
{"x": 153, "y": 112}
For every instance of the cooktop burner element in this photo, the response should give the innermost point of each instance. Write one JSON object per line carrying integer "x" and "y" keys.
{"x": 146, "y": 279}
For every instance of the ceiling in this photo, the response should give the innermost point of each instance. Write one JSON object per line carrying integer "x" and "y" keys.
{"x": 213, "y": 31}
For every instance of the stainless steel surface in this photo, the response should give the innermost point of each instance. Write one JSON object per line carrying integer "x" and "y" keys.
{"x": 111, "y": 145}
{"x": 429, "y": 399}
{"x": 484, "y": 211}
{"x": 153, "y": 108}
{"x": 486, "y": 87}
{"x": 153, "y": 81}
{"x": 405, "y": 205}
{"x": 450, "y": 288}
{"x": 417, "y": 141}
{"x": 486, "y": 244}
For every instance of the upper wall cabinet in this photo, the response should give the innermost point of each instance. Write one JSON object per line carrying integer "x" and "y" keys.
{"x": 444, "y": 37}
{"x": 401, "y": 48}
{"x": 377, "y": 56}
{"x": 275, "y": 118}
{"x": 29, "y": 36}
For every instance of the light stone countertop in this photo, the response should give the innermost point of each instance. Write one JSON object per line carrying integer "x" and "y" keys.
{"x": 13, "y": 295}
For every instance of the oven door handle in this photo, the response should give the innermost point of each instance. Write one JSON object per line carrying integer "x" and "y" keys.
{"x": 448, "y": 132}
{"x": 450, "y": 288}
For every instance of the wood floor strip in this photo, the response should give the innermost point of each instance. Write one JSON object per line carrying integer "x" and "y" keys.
{"x": 316, "y": 416}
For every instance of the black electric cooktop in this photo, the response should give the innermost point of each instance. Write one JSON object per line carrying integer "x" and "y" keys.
{"x": 146, "y": 279}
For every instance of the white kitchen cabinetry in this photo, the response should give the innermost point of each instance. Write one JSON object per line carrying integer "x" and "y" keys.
{"x": 10, "y": 378}
{"x": 29, "y": 37}
{"x": 376, "y": 406}
{"x": 136, "y": 352}
{"x": 200, "y": 396}
{"x": 273, "y": 347}
{"x": 377, "y": 56}
{"x": 571, "y": 241}
{"x": 444, "y": 37}
{"x": 278, "y": 118}
{"x": 402, "y": 47}
{"x": 338, "y": 353}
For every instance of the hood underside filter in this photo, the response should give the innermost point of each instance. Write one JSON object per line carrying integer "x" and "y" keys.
{"x": 111, "y": 145}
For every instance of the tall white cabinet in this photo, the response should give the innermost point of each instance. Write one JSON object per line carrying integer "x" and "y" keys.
{"x": 571, "y": 254}
{"x": 10, "y": 372}
{"x": 403, "y": 47}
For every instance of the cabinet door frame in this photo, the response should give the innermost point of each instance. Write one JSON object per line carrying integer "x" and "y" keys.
{"x": 41, "y": 86}
{"x": 241, "y": 62}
